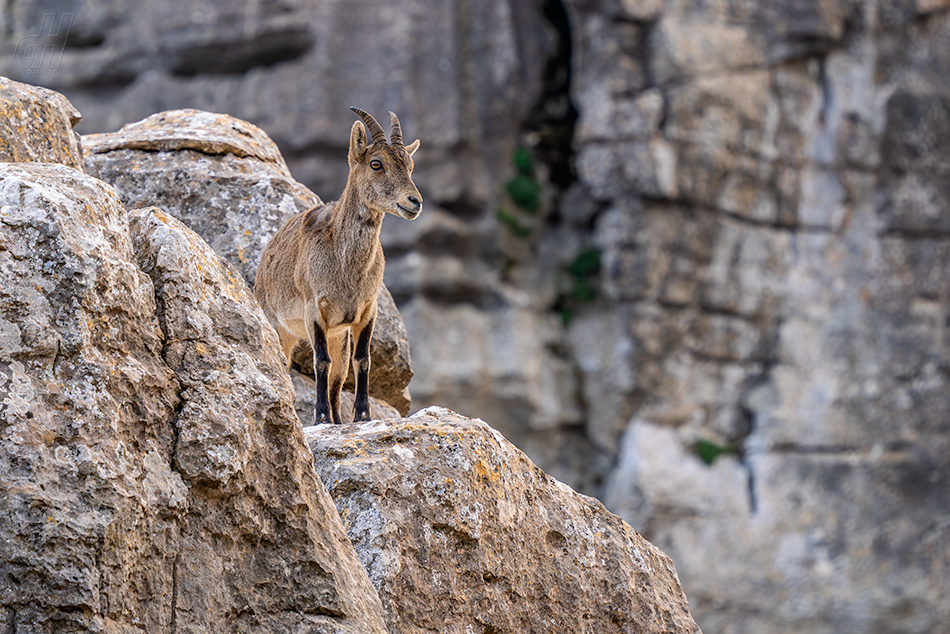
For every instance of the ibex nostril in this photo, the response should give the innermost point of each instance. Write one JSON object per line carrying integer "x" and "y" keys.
{"x": 415, "y": 201}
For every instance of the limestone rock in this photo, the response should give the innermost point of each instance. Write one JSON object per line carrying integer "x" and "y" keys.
{"x": 464, "y": 77}
{"x": 153, "y": 475}
{"x": 36, "y": 125}
{"x": 189, "y": 129}
{"x": 767, "y": 186}
{"x": 291, "y": 72}
{"x": 773, "y": 250}
{"x": 227, "y": 181}
{"x": 221, "y": 176}
{"x": 460, "y": 532}
{"x": 502, "y": 362}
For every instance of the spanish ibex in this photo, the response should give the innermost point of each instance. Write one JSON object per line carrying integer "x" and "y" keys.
{"x": 320, "y": 274}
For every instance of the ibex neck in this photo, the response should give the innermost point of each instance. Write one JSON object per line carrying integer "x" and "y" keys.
{"x": 352, "y": 209}
{"x": 355, "y": 219}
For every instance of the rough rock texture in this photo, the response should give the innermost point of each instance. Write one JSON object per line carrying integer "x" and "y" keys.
{"x": 204, "y": 132}
{"x": 290, "y": 69}
{"x": 219, "y": 175}
{"x": 503, "y": 363}
{"x": 36, "y": 126}
{"x": 227, "y": 181}
{"x": 461, "y": 532}
{"x": 153, "y": 475}
{"x": 766, "y": 185}
{"x": 771, "y": 184}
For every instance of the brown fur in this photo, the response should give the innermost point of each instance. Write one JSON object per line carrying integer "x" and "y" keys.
{"x": 321, "y": 272}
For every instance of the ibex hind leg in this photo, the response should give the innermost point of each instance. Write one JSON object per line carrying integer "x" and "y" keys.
{"x": 340, "y": 352}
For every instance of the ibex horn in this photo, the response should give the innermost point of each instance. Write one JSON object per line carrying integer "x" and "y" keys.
{"x": 395, "y": 130}
{"x": 375, "y": 130}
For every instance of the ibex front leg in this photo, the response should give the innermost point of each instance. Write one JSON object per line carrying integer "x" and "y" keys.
{"x": 361, "y": 363}
{"x": 321, "y": 372}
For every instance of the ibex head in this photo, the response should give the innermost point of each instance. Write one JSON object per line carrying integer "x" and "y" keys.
{"x": 383, "y": 169}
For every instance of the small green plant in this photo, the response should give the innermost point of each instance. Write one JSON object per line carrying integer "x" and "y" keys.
{"x": 523, "y": 161}
{"x": 524, "y": 188}
{"x": 524, "y": 191}
{"x": 585, "y": 264}
{"x": 578, "y": 282}
{"x": 708, "y": 450}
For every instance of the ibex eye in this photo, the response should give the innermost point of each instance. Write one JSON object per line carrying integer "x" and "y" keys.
{"x": 376, "y": 165}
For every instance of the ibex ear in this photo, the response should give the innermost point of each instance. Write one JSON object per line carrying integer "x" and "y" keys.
{"x": 412, "y": 147}
{"x": 357, "y": 142}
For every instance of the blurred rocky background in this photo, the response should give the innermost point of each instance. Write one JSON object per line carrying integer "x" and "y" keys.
{"x": 692, "y": 257}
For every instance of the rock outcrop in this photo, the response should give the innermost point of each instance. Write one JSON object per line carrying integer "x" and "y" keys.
{"x": 145, "y": 412}
{"x": 291, "y": 72}
{"x": 36, "y": 125}
{"x": 226, "y": 180}
{"x": 460, "y": 532}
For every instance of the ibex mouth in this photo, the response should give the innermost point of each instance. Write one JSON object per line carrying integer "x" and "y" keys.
{"x": 408, "y": 213}
{"x": 412, "y": 209}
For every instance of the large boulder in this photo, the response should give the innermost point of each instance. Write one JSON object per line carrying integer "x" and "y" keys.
{"x": 227, "y": 181}
{"x": 221, "y": 176}
{"x": 36, "y": 125}
{"x": 153, "y": 474}
{"x": 461, "y": 532}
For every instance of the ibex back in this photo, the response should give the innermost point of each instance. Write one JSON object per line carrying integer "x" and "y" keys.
{"x": 320, "y": 274}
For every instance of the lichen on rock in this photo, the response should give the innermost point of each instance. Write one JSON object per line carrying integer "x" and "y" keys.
{"x": 36, "y": 125}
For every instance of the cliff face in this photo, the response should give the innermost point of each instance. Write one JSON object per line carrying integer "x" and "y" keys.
{"x": 775, "y": 258}
{"x": 154, "y": 476}
{"x": 751, "y": 254}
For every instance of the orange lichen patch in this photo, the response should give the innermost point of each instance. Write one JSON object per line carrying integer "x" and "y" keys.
{"x": 36, "y": 126}
{"x": 483, "y": 471}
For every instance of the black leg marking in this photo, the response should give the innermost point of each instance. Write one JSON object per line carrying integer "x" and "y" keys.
{"x": 321, "y": 371}
{"x": 361, "y": 364}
